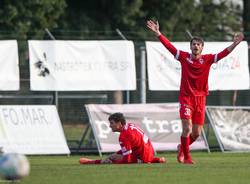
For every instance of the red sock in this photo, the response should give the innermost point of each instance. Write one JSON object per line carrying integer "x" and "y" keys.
{"x": 94, "y": 162}
{"x": 185, "y": 147}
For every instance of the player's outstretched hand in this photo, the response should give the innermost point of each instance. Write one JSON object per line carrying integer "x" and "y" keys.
{"x": 238, "y": 37}
{"x": 154, "y": 26}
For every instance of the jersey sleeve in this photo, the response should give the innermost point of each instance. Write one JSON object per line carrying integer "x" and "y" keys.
{"x": 168, "y": 45}
{"x": 171, "y": 48}
{"x": 220, "y": 55}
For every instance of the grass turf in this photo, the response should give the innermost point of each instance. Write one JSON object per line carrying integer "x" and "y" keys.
{"x": 222, "y": 168}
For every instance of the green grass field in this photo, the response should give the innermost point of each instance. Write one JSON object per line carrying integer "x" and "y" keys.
{"x": 216, "y": 167}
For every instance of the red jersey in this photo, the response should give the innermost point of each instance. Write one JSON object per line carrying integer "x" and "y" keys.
{"x": 135, "y": 145}
{"x": 194, "y": 75}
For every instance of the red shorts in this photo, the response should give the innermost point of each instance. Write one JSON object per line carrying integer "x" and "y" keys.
{"x": 148, "y": 153}
{"x": 193, "y": 107}
{"x": 145, "y": 156}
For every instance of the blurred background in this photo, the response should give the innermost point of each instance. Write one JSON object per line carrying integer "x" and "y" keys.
{"x": 214, "y": 20}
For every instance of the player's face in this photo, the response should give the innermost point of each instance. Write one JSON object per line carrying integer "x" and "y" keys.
{"x": 115, "y": 126}
{"x": 196, "y": 47}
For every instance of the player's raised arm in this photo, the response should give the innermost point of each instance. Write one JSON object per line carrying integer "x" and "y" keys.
{"x": 154, "y": 27}
{"x": 237, "y": 39}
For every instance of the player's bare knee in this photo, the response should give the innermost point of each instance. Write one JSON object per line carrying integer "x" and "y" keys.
{"x": 186, "y": 131}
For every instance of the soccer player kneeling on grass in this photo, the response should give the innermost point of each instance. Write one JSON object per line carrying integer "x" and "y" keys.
{"x": 135, "y": 145}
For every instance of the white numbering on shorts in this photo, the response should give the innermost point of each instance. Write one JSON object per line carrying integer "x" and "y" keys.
{"x": 145, "y": 138}
{"x": 187, "y": 111}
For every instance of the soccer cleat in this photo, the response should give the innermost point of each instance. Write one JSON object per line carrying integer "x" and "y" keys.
{"x": 162, "y": 160}
{"x": 180, "y": 155}
{"x": 188, "y": 161}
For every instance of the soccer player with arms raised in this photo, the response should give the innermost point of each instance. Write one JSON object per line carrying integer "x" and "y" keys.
{"x": 135, "y": 145}
{"x": 194, "y": 86}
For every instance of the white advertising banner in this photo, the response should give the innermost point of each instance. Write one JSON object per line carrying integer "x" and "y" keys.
{"x": 31, "y": 129}
{"x": 9, "y": 70}
{"x": 231, "y": 126}
{"x": 164, "y": 72}
{"x": 82, "y": 65}
{"x": 160, "y": 123}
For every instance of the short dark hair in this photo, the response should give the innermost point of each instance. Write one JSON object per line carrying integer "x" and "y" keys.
{"x": 117, "y": 117}
{"x": 198, "y": 39}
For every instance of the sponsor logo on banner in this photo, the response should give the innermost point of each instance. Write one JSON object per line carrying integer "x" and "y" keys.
{"x": 43, "y": 71}
{"x": 82, "y": 65}
{"x": 31, "y": 129}
{"x": 151, "y": 126}
{"x": 224, "y": 74}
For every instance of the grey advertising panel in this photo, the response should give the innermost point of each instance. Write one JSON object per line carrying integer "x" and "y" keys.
{"x": 160, "y": 122}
